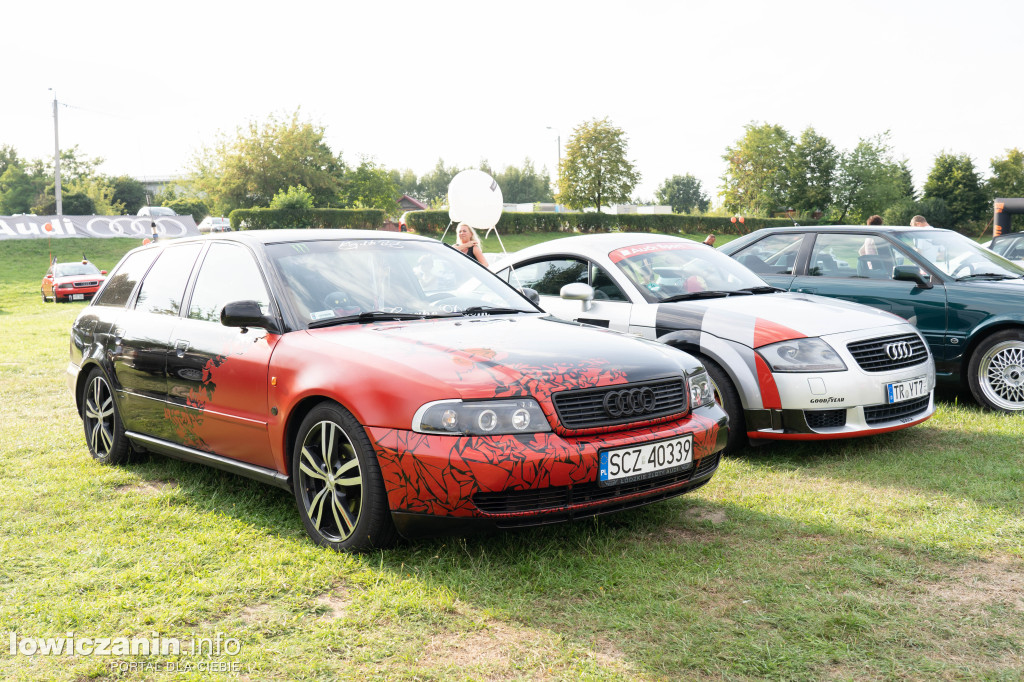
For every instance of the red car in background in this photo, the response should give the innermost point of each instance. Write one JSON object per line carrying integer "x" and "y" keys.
{"x": 78, "y": 281}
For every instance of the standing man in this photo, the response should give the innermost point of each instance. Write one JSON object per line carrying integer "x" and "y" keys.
{"x": 919, "y": 221}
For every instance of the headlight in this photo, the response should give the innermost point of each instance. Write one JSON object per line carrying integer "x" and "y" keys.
{"x": 701, "y": 390}
{"x": 802, "y": 355}
{"x": 480, "y": 418}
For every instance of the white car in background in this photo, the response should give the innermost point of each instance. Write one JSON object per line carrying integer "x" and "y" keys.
{"x": 214, "y": 224}
{"x": 786, "y": 366}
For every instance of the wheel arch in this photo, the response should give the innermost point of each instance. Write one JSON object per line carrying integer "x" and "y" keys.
{"x": 720, "y": 351}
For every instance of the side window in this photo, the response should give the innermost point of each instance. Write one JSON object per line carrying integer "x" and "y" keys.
{"x": 121, "y": 283}
{"x": 228, "y": 273}
{"x": 547, "y": 277}
{"x": 164, "y": 286}
{"x": 604, "y": 287}
{"x": 774, "y": 255}
{"x": 852, "y": 255}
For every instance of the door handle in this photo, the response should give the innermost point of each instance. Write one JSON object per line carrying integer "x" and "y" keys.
{"x": 180, "y": 347}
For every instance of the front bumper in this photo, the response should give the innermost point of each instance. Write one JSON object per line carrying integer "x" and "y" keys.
{"x": 441, "y": 484}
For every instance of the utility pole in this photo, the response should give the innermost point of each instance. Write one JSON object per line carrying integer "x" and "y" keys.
{"x": 56, "y": 158}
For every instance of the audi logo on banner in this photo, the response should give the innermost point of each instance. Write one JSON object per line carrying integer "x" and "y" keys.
{"x": 901, "y": 350}
{"x": 629, "y": 402}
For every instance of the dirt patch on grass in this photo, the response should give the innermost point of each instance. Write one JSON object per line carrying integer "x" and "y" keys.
{"x": 500, "y": 651}
{"x": 335, "y": 603}
{"x": 716, "y": 516}
{"x": 982, "y": 585}
{"x": 149, "y": 487}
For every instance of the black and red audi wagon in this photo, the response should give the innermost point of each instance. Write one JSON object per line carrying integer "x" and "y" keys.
{"x": 393, "y": 385}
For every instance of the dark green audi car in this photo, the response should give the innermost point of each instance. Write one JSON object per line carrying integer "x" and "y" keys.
{"x": 967, "y": 301}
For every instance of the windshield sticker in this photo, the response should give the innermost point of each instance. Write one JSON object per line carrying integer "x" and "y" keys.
{"x": 630, "y": 251}
{"x": 321, "y": 315}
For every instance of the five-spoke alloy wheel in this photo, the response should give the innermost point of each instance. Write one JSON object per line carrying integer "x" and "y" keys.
{"x": 104, "y": 432}
{"x": 338, "y": 487}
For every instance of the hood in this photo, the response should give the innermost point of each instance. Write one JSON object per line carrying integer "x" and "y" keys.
{"x": 503, "y": 356}
{"x": 767, "y": 318}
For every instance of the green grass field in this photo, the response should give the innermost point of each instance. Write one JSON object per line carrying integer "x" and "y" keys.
{"x": 888, "y": 558}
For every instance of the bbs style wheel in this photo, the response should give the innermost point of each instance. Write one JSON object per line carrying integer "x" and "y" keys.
{"x": 729, "y": 400}
{"x": 104, "y": 432}
{"x": 339, "y": 491}
{"x": 995, "y": 373}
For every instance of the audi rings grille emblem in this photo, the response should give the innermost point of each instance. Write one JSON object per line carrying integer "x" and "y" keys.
{"x": 629, "y": 402}
{"x": 901, "y": 350}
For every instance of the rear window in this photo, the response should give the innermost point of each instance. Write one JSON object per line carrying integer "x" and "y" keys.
{"x": 126, "y": 275}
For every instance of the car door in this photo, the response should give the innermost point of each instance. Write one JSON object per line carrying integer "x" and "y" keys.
{"x": 610, "y": 308}
{"x": 858, "y": 267}
{"x": 141, "y": 340}
{"x": 217, "y": 376}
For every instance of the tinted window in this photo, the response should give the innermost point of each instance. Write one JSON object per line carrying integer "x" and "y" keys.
{"x": 121, "y": 283}
{"x": 164, "y": 286}
{"x": 853, "y": 255}
{"x": 228, "y": 273}
{"x": 774, "y": 255}
{"x": 547, "y": 277}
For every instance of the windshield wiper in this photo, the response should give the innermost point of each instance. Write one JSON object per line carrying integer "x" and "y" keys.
{"x": 375, "y": 316}
{"x": 490, "y": 310}
{"x": 762, "y": 290}
{"x": 704, "y": 294}
{"x": 995, "y": 275}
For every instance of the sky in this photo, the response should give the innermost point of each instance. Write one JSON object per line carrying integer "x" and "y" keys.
{"x": 146, "y": 86}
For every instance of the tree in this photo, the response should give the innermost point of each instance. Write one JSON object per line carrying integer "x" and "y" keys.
{"x": 935, "y": 210}
{"x": 811, "y": 172}
{"x": 868, "y": 181}
{"x": 595, "y": 171}
{"x": 406, "y": 182}
{"x": 369, "y": 186}
{"x": 524, "y": 185}
{"x": 128, "y": 192}
{"x": 954, "y": 180}
{"x": 756, "y": 180}
{"x": 434, "y": 185}
{"x": 21, "y": 188}
{"x": 71, "y": 203}
{"x": 1007, "y": 179}
{"x": 683, "y": 193}
{"x": 263, "y": 159}
{"x": 293, "y": 199}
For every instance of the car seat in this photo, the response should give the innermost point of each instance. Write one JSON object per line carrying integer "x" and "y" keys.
{"x": 874, "y": 267}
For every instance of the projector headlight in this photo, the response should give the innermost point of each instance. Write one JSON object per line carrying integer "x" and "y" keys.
{"x": 801, "y": 355}
{"x": 480, "y": 418}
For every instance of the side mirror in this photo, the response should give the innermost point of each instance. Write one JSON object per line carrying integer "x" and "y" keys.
{"x": 531, "y": 295}
{"x": 578, "y": 291}
{"x": 246, "y": 314}
{"x": 911, "y": 273}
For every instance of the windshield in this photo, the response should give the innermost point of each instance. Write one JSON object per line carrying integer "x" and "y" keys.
{"x": 663, "y": 270}
{"x": 349, "y": 279}
{"x": 958, "y": 256}
{"x": 73, "y": 269}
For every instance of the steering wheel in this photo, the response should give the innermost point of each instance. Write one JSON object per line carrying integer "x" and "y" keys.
{"x": 337, "y": 299}
{"x": 969, "y": 267}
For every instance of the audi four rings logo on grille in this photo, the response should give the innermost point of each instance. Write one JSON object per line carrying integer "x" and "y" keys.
{"x": 630, "y": 402}
{"x": 901, "y": 350}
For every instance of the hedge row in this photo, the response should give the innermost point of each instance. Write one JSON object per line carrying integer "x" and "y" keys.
{"x": 435, "y": 222}
{"x": 317, "y": 218}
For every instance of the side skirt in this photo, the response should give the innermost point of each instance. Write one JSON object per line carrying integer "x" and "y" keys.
{"x": 185, "y": 454}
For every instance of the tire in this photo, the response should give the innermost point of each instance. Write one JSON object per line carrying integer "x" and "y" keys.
{"x": 995, "y": 373}
{"x": 729, "y": 400}
{"x": 104, "y": 432}
{"x": 338, "y": 487}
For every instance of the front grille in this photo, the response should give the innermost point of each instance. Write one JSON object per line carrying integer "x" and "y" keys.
{"x": 871, "y": 355}
{"x": 825, "y": 419}
{"x": 584, "y": 409}
{"x": 885, "y": 413}
{"x": 563, "y": 497}
{"x": 86, "y": 284}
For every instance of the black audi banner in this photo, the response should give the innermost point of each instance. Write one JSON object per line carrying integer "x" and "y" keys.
{"x": 92, "y": 226}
